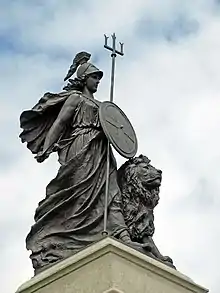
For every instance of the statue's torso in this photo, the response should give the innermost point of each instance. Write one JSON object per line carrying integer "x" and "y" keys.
{"x": 86, "y": 114}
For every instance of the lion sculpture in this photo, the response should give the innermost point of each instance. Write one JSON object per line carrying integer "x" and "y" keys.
{"x": 139, "y": 182}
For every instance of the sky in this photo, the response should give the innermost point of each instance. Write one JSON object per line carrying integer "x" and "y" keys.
{"x": 167, "y": 83}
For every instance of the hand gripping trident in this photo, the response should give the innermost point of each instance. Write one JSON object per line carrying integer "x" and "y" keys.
{"x": 113, "y": 55}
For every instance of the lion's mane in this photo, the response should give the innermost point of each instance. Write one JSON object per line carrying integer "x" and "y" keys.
{"x": 139, "y": 196}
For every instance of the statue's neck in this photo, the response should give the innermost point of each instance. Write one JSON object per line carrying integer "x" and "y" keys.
{"x": 87, "y": 93}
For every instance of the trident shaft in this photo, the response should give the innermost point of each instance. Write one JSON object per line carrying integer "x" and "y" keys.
{"x": 113, "y": 56}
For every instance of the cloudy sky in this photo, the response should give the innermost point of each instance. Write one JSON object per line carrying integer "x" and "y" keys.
{"x": 168, "y": 84}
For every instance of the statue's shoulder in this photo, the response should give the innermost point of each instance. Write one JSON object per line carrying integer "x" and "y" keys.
{"x": 63, "y": 94}
{"x": 75, "y": 94}
{"x": 74, "y": 98}
{"x": 49, "y": 100}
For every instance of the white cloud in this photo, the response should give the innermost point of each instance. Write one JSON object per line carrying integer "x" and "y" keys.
{"x": 170, "y": 92}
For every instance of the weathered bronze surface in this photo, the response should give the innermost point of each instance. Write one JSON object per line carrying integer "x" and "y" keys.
{"x": 71, "y": 216}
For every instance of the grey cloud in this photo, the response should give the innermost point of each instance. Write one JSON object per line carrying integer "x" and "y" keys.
{"x": 171, "y": 30}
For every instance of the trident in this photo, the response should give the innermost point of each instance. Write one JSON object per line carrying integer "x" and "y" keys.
{"x": 113, "y": 56}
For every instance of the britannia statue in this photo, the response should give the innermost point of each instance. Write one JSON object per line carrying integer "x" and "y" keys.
{"x": 85, "y": 201}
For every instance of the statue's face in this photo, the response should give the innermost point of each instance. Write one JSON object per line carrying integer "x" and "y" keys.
{"x": 148, "y": 175}
{"x": 92, "y": 82}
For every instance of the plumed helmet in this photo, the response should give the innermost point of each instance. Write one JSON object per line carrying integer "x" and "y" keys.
{"x": 84, "y": 67}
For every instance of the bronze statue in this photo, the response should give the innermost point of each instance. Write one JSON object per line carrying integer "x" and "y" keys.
{"x": 84, "y": 201}
{"x": 71, "y": 215}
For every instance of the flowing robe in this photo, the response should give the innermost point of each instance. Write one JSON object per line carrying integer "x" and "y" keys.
{"x": 71, "y": 215}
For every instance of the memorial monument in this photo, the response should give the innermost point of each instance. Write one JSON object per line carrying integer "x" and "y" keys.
{"x": 93, "y": 211}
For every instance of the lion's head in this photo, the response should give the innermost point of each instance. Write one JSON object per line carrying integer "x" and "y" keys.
{"x": 139, "y": 182}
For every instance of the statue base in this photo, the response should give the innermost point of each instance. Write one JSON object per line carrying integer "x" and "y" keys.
{"x": 109, "y": 266}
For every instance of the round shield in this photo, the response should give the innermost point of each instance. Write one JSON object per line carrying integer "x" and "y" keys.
{"x": 118, "y": 129}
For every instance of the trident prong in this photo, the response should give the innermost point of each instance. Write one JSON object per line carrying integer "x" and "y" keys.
{"x": 113, "y": 55}
{"x": 113, "y": 48}
{"x": 122, "y": 47}
{"x": 106, "y": 40}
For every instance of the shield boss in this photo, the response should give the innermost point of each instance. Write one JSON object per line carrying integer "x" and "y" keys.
{"x": 118, "y": 129}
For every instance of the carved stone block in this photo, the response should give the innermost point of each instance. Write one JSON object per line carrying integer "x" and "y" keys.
{"x": 110, "y": 266}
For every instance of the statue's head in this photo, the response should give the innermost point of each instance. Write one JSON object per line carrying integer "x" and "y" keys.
{"x": 90, "y": 78}
{"x": 87, "y": 74}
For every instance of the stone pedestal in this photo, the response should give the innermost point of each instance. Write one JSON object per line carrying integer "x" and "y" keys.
{"x": 109, "y": 266}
